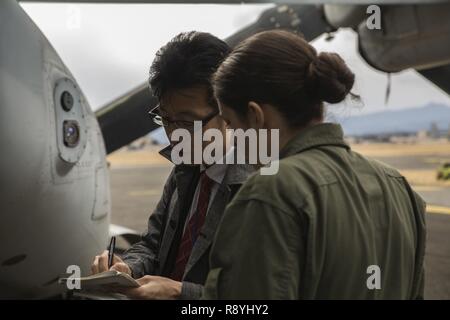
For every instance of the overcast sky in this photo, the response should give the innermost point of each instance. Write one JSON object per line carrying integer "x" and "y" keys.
{"x": 109, "y": 48}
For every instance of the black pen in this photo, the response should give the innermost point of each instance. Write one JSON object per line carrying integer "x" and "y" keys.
{"x": 111, "y": 248}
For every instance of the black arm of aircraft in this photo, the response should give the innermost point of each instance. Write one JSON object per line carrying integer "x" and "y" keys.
{"x": 125, "y": 119}
{"x": 440, "y": 76}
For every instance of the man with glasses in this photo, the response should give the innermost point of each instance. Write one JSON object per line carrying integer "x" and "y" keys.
{"x": 178, "y": 124}
{"x": 172, "y": 258}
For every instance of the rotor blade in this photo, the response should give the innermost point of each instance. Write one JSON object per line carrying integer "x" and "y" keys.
{"x": 440, "y": 76}
{"x": 125, "y": 119}
{"x": 308, "y": 20}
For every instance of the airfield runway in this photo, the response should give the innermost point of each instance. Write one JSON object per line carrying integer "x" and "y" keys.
{"x": 137, "y": 179}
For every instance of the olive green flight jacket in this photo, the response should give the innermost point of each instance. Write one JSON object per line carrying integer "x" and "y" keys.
{"x": 331, "y": 224}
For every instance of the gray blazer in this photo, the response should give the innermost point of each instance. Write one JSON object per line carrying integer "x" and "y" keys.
{"x": 155, "y": 254}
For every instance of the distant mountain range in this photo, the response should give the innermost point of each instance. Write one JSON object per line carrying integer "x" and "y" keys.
{"x": 396, "y": 121}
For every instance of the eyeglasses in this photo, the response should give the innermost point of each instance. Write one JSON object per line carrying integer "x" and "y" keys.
{"x": 185, "y": 124}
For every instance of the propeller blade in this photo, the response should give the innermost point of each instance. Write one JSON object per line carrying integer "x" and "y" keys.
{"x": 440, "y": 76}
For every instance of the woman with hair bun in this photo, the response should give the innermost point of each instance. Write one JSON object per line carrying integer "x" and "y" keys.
{"x": 330, "y": 224}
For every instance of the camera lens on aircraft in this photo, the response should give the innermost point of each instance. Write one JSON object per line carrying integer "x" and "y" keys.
{"x": 71, "y": 131}
{"x": 66, "y": 100}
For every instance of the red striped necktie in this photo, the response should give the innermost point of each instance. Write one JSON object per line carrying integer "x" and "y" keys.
{"x": 193, "y": 227}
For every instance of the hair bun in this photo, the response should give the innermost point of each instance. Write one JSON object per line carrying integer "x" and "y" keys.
{"x": 329, "y": 78}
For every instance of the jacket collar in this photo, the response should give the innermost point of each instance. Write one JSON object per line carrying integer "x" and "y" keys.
{"x": 322, "y": 134}
{"x": 233, "y": 174}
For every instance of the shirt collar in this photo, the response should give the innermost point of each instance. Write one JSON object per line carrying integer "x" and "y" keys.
{"x": 216, "y": 172}
{"x": 317, "y": 135}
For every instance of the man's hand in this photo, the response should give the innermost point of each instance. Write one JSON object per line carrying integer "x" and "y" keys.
{"x": 154, "y": 287}
{"x": 100, "y": 264}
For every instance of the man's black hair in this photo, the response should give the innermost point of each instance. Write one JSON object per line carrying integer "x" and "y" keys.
{"x": 188, "y": 60}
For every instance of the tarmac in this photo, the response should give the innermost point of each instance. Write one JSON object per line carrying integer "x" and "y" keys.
{"x": 136, "y": 187}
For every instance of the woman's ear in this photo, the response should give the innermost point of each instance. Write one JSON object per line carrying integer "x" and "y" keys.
{"x": 255, "y": 115}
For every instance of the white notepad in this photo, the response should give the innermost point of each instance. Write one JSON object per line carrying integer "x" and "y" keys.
{"x": 104, "y": 279}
